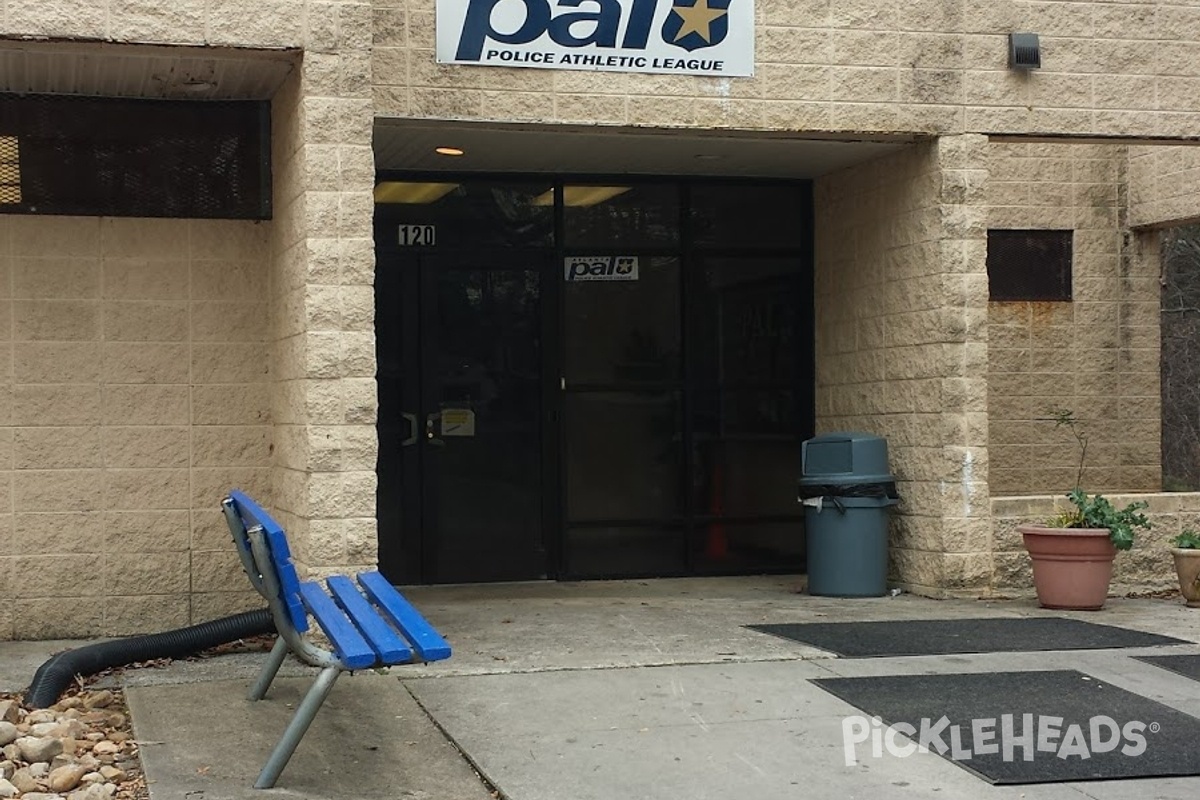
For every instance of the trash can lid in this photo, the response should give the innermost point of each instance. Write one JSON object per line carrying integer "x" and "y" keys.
{"x": 845, "y": 455}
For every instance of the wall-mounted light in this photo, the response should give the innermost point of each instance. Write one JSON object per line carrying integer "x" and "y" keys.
{"x": 449, "y": 151}
{"x": 1023, "y": 51}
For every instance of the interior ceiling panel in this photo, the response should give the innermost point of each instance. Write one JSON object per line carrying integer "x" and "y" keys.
{"x": 410, "y": 145}
{"x": 109, "y": 70}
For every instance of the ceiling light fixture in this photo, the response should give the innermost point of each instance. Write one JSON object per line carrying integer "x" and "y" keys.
{"x": 449, "y": 151}
{"x": 581, "y": 196}
{"x": 412, "y": 193}
{"x": 197, "y": 85}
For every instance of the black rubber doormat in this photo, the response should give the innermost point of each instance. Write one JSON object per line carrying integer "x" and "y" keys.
{"x": 1019, "y": 727}
{"x": 1185, "y": 665}
{"x": 928, "y": 637}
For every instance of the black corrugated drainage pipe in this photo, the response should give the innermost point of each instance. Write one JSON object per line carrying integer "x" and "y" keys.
{"x": 54, "y": 676}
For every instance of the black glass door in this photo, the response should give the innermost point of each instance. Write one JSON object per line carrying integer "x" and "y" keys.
{"x": 461, "y": 417}
{"x": 595, "y": 378}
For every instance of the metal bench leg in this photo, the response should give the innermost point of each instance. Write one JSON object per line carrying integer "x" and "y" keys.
{"x": 267, "y": 673}
{"x": 297, "y": 727}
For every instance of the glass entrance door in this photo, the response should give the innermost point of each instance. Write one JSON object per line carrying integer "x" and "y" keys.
{"x": 460, "y": 417}
{"x": 586, "y": 379}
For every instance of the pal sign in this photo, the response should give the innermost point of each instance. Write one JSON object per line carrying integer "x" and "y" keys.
{"x": 684, "y": 37}
{"x": 600, "y": 268}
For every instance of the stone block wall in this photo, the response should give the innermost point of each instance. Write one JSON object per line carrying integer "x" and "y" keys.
{"x": 859, "y": 66}
{"x": 122, "y": 563}
{"x": 1147, "y": 567}
{"x": 901, "y": 345}
{"x": 1164, "y": 185}
{"x": 238, "y": 23}
{"x": 134, "y": 390}
{"x": 1096, "y": 355}
{"x": 323, "y": 303}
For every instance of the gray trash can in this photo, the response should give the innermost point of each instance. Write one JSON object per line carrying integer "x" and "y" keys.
{"x": 847, "y": 493}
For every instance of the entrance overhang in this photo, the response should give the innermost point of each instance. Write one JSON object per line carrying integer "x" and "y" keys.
{"x": 177, "y": 72}
{"x": 410, "y": 145}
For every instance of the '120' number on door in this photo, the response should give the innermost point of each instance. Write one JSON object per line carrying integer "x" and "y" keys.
{"x": 417, "y": 235}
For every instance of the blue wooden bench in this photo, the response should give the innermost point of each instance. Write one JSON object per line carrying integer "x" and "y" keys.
{"x": 367, "y": 621}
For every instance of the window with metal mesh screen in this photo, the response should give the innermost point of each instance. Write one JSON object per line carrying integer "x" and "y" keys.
{"x": 1029, "y": 264}
{"x": 10, "y": 171}
{"x": 102, "y": 156}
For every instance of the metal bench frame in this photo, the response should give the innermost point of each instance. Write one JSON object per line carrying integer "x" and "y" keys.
{"x": 365, "y": 632}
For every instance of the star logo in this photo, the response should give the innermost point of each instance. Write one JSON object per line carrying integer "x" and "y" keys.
{"x": 695, "y": 24}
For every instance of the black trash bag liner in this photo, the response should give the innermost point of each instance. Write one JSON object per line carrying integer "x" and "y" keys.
{"x": 884, "y": 490}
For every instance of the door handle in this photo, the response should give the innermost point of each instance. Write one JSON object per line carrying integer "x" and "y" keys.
{"x": 430, "y": 434}
{"x": 411, "y": 439}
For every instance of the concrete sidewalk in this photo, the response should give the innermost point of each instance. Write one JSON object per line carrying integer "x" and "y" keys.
{"x": 628, "y": 689}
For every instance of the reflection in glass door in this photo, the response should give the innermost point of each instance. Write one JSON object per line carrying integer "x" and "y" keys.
{"x": 687, "y": 388}
{"x": 622, "y": 424}
{"x": 461, "y": 462}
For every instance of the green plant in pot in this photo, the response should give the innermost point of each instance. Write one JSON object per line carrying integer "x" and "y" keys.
{"x": 1072, "y": 556}
{"x": 1186, "y": 552}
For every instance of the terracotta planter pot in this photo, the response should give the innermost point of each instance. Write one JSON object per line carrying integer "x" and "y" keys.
{"x": 1072, "y": 567}
{"x": 1187, "y": 567}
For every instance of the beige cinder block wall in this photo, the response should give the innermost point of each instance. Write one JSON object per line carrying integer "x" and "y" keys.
{"x": 901, "y": 345}
{"x": 135, "y": 377}
{"x": 1164, "y": 185}
{"x": 1096, "y": 355}
{"x": 1147, "y": 567}
{"x": 924, "y": 66}
{"x": 137, "y": 544}
{"x": 322, "y": 296}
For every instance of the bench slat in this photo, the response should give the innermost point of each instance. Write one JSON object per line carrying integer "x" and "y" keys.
{"x": 387, "y": 643}
{"x": 427, "y": 641}
{"x": 349, "y": 644}
{"x": 289, "y": 583}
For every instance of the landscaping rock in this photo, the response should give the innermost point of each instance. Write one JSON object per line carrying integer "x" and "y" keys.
{"x": 114, "y": 774}
{"x": 10, "y": 711}
{"x": 8, "y": 733}
{"x": 66, "y": 778}
{"x": 24, "y": 781}
{"x": 38, "y": 751}
{"x": 100, "y": 699}
{"x": 34, "y": 749}
{"x": 106, "y": 748}
{"x": 93, "y": 792}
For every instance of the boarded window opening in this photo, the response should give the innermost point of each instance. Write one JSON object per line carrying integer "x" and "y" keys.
{"x": 103, "y": 156}
{"x": 1030, "y": 265}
